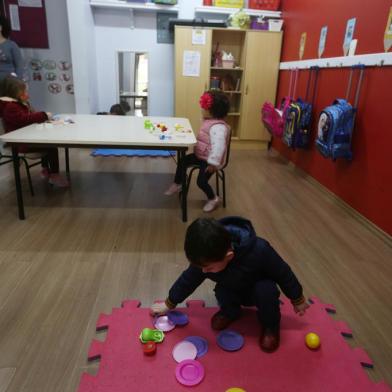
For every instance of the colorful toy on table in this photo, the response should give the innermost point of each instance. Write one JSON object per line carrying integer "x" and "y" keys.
{"x": 180, "y": 128}
{"x": 154, "y": 335}
{"x": 312, "y": 340}
{"x": 149, "y": 125}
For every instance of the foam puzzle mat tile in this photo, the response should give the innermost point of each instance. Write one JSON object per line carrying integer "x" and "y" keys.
{"x": 334, "y": 367}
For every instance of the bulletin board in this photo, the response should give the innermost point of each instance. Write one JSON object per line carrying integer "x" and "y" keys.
{"x": 28, "y": 22}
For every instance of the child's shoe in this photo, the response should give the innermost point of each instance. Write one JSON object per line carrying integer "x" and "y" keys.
{"x": 173, "y": 188}
{"x": 269, "y": 339}
{"x": 212, "y": 204}
{"x": 45, "y": 173}
{"x": 59, "y": 181}
{"x": 219, "y": 321}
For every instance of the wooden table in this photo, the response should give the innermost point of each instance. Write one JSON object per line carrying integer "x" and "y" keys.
{"x": 91, "y": 131}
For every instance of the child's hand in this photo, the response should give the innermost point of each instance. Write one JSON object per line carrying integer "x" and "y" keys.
{"x": 211, "y": 169}
{"x": 301, "y": 308}
{"x": 159, "y": 308}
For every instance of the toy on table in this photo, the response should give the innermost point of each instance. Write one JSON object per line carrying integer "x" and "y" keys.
{"x": 148, "y": 335}
{"x": 312, "y": 340}
{"x": 149, "y": 125}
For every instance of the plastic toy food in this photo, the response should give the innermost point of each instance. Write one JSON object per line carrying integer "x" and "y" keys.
{"x": 312, "y": 340}
{"x": 149, "y": 334}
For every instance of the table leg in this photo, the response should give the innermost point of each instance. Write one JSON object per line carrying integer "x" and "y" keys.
{"x": 18, "y": 186}
{"x": 181, "y": 155}
{"x": 67, "y": 162}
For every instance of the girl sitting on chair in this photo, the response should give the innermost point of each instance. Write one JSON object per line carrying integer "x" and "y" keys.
{"x": 16, "y": 113}
{"x": 210, "y": 150}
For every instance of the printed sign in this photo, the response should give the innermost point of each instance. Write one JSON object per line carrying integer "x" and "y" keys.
{"x": 198, "y": 37}
{"x": 348, "y": 37}
{"x": 388, "y": 33}
{"x": 323, "y": 40}
{"x": 302, "y": 44}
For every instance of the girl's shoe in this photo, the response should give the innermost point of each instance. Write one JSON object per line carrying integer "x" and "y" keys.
{"x": 59, "y": 181}
{"x": 173, "y": 188}
{"x": 212, "y": 204}
{"x": 45, "y": 173}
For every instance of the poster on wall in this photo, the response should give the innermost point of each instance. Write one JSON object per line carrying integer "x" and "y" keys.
{"x": 388, "y": 32}
{"x": 191, "y": 63}
{"x": 28, "y": 22}
{"x": 302, "y": 44}
{"x": 348, "y": 37}
{"x": 323, "y": 40}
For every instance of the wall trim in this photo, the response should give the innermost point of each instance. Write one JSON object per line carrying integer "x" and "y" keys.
{"x": 370, "y": 60}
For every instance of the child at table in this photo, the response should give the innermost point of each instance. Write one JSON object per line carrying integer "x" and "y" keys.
{"x": 16, "y": 112}
{"x": 210, "y": 150}
{"x": 247, "y": 271}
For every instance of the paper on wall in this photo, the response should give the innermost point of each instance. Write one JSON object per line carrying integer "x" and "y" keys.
{"x": 323, "y": 40}
{"x": 388, "y": 32}
{"x": 302, "y": 44}
{"x": 191, "y": 63}
{"x": 348, "y": 37}
{"x": 30, "y": 3}
{"x": 198, "y": 37}
{"x": 14, "y": 17}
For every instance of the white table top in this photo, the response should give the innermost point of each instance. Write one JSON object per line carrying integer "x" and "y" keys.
{"x": 106, "y": 130}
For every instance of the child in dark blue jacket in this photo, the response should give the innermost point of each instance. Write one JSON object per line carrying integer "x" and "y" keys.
{"x": 247, "y": 271}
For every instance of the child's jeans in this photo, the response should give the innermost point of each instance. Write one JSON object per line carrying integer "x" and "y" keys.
{"x": 202, "y": 178}
{"x": 264, "y": 295}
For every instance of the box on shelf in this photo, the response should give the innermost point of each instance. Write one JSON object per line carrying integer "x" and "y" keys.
{"x": 272, "y": 5}
{"x": 275, "y": 24}
{"x": 167, "y": 2}
{"x": 259, "y": 24}
{"x": 229, "y": 3}
{"x": 227, "y": 63}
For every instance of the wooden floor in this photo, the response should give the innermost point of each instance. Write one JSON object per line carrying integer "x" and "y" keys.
{"x": 113, "y": 236}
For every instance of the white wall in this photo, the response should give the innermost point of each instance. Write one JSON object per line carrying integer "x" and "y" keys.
{"x": 107, "y": 31}
{"x": 59, "y": 50}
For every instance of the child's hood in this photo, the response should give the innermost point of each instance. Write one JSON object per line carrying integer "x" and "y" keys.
{"x": 242, "y": 232}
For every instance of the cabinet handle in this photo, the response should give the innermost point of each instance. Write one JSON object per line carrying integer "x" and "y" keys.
{"x": 246, "y": 90}
{"x": 205, "y": 86}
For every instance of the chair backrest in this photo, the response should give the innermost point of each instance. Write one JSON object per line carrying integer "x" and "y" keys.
{"x": 227, "y": 151}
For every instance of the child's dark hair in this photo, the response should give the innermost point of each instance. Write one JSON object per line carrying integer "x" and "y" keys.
{"x": 5, "y": 26}
{"x": 206, "y": 241}
{"x": 220, "y": 104}
{"x": 117, "y": 109}
{"x": 12, "y": 87}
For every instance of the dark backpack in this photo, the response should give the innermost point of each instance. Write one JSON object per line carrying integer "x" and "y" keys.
{"x": 335, "y": 130}
{"x": 297, "y": 127}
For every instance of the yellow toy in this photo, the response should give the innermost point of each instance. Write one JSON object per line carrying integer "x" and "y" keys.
{"x": 312, "y": 340}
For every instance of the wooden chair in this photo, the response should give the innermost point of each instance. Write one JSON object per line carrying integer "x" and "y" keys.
{"x": 219, "y": 174}
{"x": 6, "y": 157}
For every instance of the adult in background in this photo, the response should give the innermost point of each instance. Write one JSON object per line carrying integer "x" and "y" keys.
{"x": 11, "y": 60}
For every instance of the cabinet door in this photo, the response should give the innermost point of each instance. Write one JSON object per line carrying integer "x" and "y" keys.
{"x": 262, "y": 57}
{"x": 188, "y": 89}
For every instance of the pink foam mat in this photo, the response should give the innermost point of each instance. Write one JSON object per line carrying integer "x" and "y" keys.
{"x": 334, "y": 367}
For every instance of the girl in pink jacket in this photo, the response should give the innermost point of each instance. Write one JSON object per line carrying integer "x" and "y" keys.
{"x": 210, "y": 150}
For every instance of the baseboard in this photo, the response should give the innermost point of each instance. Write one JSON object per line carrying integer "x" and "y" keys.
{"x": 238, "y": 144}
{"x": 383, "y": 235}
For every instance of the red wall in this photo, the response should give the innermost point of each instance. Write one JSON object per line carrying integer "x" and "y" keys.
{"x": 365, "y": 183}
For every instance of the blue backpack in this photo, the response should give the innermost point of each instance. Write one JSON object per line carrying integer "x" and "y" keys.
{"x": 335, "y": 130}
{"x": 297, "y": 127}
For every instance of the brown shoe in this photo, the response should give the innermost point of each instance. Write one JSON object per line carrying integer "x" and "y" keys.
{"x": 269, "y": 339}
{"x": 219, "y": 321}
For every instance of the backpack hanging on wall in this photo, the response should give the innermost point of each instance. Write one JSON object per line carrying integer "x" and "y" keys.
{"x": 336, "y": 123}
{"x": 275, "y": 118}
{"x": 299, "y": 117}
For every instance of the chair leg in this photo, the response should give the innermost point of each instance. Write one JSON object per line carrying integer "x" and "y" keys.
{"x": 28, "y": 175}
{"x": 224, "y": 187}
{"x": 217, "y": 183}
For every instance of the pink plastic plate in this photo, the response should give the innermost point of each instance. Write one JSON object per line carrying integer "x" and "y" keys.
{"x": 184, "y": 350}
{"x": 164, "y": 324}
{"x": 189, "y": 372}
